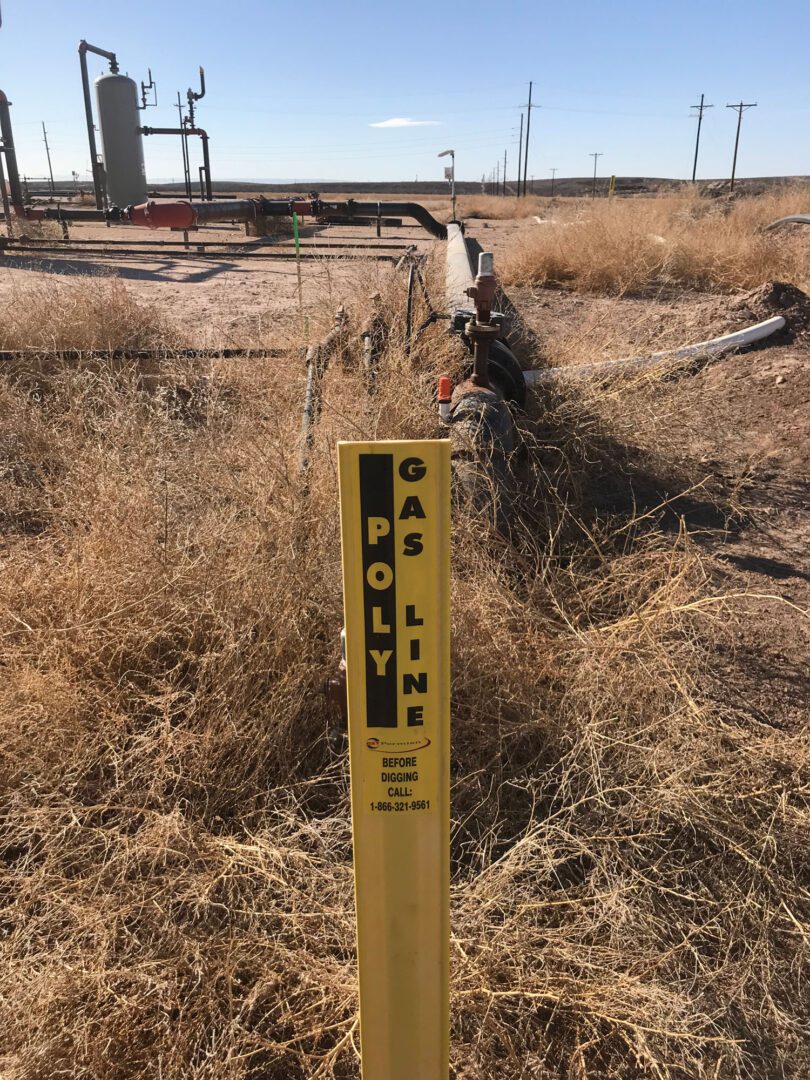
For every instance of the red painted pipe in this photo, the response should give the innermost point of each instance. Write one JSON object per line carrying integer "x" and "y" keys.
{"x": 182, "y": 214}
{"x": 164, "y": 215}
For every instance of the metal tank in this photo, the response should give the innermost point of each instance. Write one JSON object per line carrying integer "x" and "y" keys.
{"x": 121, "y": 140}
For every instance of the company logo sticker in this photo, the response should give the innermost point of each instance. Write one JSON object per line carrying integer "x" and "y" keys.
{"x": 386, "y": 747}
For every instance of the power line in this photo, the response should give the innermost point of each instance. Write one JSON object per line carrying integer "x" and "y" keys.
{"x": 741, "y": 108}
{"x": 701, "y": 108}
{"x": 528, "y": 127}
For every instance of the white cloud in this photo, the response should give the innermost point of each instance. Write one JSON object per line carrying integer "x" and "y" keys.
{"x": 405, "y": 121}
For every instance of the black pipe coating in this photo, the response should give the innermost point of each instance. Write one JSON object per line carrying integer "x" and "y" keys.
{"x": 395, "y": 209}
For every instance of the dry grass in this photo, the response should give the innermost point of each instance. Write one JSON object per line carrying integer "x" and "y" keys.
{"x": 627, "y": 246}
{"x": 628, "y": 844}
{"x": 38, "y": 230}
{"x": 498, "y": 208}
{"x": 91, "y": 313}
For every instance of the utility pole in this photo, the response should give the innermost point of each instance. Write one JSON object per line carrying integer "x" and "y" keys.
{"x": 48, "y": 153}
{"x": 520, "y": 153}
{"x": 701, "y": 108}
{"x": 504, "y": 173}
{"x": 741, "y": 108}
{"x": 528, "y": 128}
{"x": 553, "y": 174}
{"x": 498, "y": 176}
{"x": 595, "y": 156}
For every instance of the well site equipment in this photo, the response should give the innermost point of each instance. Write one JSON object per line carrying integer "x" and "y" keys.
{"x": 120, "y": 181}
{"x": 121, "y": 178}
{"x": 119, "y": 174}
{"x": 121, "y": 139}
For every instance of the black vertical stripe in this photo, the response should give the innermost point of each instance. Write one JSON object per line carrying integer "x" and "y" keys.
{"x": 377, "y": 500}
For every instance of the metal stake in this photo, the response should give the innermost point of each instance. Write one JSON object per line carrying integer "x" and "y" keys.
{"x": 298, "y": 266}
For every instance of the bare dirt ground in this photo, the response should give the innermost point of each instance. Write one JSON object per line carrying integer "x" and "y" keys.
{"x": 220, "y": 299}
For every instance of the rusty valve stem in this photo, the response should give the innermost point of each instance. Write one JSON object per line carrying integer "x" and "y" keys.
{"x": 480, "y": 329}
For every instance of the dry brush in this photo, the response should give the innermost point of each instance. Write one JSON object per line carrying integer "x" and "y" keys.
{"x": 629, "y": 843}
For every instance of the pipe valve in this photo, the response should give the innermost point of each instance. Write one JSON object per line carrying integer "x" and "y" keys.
{"x": 481, "y": 331}
{"x": 482, "y": 293}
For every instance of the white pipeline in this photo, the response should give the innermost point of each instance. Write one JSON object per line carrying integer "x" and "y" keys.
{"x": 791, "y": 219}
{"x": 713, "y": 347}
{"x": 460, "y": 275}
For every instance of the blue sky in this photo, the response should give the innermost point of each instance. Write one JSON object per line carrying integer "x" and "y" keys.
{"x": 293, "y": 90}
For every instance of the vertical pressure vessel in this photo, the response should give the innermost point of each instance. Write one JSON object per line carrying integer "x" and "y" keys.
{"x": 121, "y": 141}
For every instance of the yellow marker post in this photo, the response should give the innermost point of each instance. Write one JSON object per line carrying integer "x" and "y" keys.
{"x": 395, "y": 528}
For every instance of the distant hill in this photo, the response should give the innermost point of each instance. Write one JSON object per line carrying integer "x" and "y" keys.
{"x": 570, "y": 186}
{"x": 565, "y": 186}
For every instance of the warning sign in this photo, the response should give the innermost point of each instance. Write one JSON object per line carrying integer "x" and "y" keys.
{"x": 395, "y": 522}
{"x": 395, "y": 526}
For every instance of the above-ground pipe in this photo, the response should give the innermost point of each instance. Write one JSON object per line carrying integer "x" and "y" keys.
{"x": 187, "y": 215}
{"x": 714, "y": 347}
{"x": 84, "y": 49}
{"x": 791, "y": 219}
{"x": 6, "y": 205}
{"x": 395, "y": 209}
{"x": 65, "y": 213}
{"x": 185, "y": 131}
{"x": 14, "y": 185}
{"x": 183, "y": 214}
{"x": 156, "y": 355}
{"x": 459, "y": 276}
